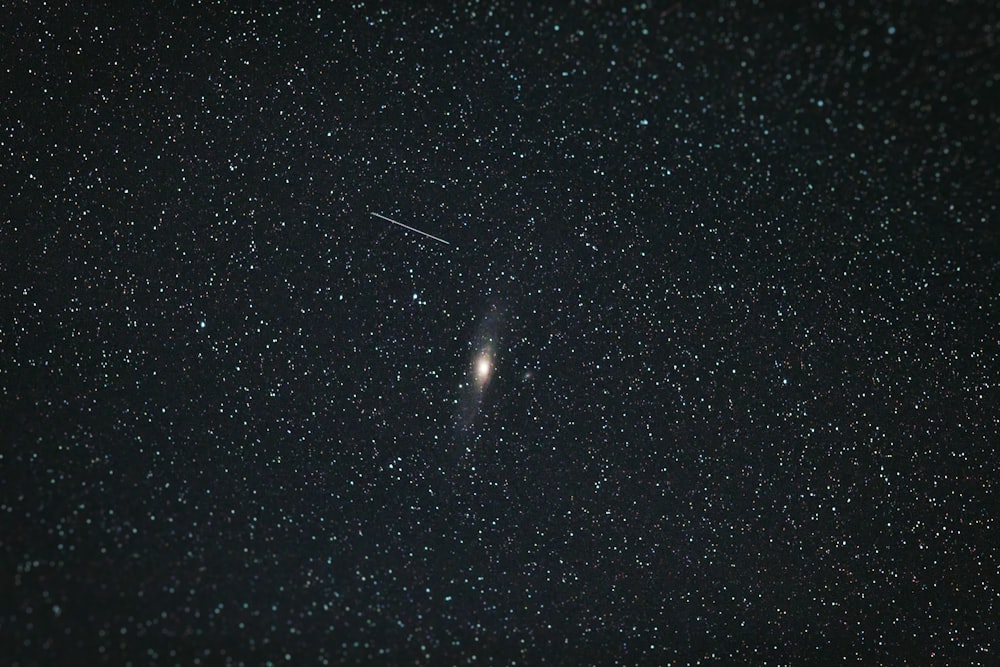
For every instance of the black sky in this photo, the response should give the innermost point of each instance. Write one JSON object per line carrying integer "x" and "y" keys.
{"x": 736, "y": 266}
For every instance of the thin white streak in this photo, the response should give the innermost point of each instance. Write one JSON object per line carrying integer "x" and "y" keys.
{"x": 412, "y": 229}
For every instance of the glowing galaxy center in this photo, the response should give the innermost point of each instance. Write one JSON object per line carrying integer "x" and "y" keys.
{"x": 483, "y": 367}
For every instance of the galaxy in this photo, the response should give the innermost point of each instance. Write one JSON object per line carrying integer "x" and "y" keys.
{"x": 483, "y": 359}
{"x": 500, "y": 333}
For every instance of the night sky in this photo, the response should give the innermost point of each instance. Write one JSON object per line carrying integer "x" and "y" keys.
{"x": 703, "y": 364}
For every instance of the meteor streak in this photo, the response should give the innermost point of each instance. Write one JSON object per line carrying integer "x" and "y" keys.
{"x": 412, "y": 229}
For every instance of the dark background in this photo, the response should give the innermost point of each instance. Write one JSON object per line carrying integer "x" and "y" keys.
{"x": 743, "y": 267}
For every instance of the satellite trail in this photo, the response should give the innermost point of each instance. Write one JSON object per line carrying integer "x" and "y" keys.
{"x": 412, "y": 229}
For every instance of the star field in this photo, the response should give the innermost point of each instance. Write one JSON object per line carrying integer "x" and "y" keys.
{"x": 707, "y": 370}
